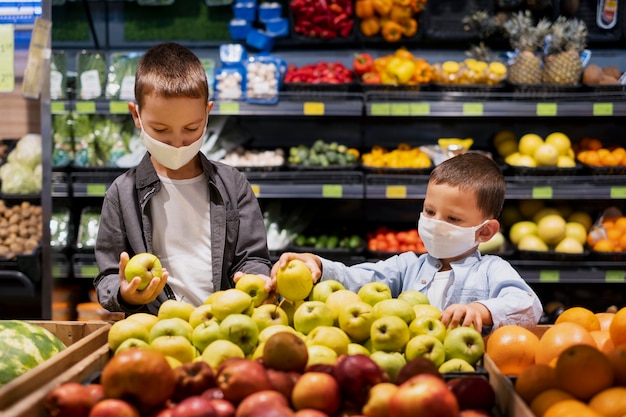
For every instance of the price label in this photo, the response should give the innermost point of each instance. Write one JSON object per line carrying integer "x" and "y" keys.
{"x": 473, "y": 109}
{"x": 89, "y": 271}
{"x": 603, "y": 109}
{"x": 313, "y": 109}
{"x": 57, "y": 107}
{"x": 395, "y": 191}
{"x": 618, "y": 192}
{"x": 256, "y": 189}
{"x": 400, "y": 109}
{"x": 544, "y": 192}
{"x": 549, "y": 276}
{"x": 380, "y": 109}
{"x": 96, "y": 190}
{"x": 86, "y": 107}
{"x": 57, "y": 271}
{"x": 332, "y": 191}
{"x": 229, "y": 107}
{"x": 547, "y": 109}
{"x": 7, "y": 53}
{"x": 420, "y": 109}
{"x": 614, "y": 277}
{"x": 118, "y": 107}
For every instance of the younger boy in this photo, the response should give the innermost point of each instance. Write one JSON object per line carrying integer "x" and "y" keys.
{"x": 464, "y": 197}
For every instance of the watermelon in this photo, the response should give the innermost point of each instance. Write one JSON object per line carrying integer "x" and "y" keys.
{"x": 23, "y": 346}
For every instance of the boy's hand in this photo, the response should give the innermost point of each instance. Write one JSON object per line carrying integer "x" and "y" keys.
{"x": 312, "y": 261}
{"x": 129, "y": 291}
{"x": 465, "y": 315}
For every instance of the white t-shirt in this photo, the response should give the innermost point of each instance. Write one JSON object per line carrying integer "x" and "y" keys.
{"x": 438, "y": 290}
{"x": 181, "y": 233}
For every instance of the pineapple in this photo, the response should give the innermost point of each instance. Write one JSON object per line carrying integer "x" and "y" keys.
{"x": 562, "y": 64}
{"x": 525, "y": 38}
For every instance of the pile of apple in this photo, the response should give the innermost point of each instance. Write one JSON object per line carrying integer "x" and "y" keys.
{"x": 321, "y": 351}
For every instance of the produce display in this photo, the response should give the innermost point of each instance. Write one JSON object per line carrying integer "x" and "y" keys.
{"x": 404, "y": 156}
{"x": 321, "y": 72}
{"x": 23, "y": 346}
{"x": 609, "y": 234}
{"x": 328, "y": 241}
{"x": 325, "y": 20}
{"x": 323, "y": 154}
{"x": 246, "y": 158}
{"x": 20, "y": 229}
{"x": 21, "y": 172}
{"x": 385, "y": 240}
{"x": 469, "y": 71}
{"x": 594, "y": 75}
{"x": 392, "y": 20}
{"x": 531, "y": 150}
{"x": 401, "y": 67}
{"x": 88, "y": 227}
{"x": 592, "y": 152}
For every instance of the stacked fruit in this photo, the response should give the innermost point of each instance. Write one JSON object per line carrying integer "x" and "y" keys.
{"x": 592, "y": 152}
{"x": 469, "y": 71}
{"x": 576, "y": 368}
{"x": 404, "y": 156}
{"x": 322, "y": 154}
{"x": 325, "y": 20}
{"x": 322, "y": 72}
{"x": 531, "y": 150}
{"x": 400, "y": 68}
{"x": 386, "y": 240}
{"x": 391, "y": 19}
{"x": 595, "y": 75}
{"x": 609, "y": 236}
{"x": 328, "y": 241}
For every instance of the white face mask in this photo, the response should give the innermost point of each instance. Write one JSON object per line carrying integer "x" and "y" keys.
{"x": 444, "y": 240}
{"x": 170, "y": 156}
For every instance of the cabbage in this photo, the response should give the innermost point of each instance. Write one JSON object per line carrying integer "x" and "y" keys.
{"x": 28, "y": 150}
{"x": 18, "y": 179}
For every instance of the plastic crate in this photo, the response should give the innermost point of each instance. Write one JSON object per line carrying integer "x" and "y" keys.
{"x": 443, "y": 20}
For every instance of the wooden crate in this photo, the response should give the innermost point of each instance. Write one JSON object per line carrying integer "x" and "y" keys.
{"x": 509, "y": 403}
{"x": 87, "y": 351}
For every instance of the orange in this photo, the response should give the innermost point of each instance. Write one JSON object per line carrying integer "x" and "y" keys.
{"x": 558, "y": 338}
{"x": 620, "y": 223}
{"x": 571, "y": 408}
{"x": 603, "y": 245}
{"x": 617, "y": 357}
{"x": 549, "y": 397}
{"x": 618, "y": 327}
{"x": 605, "y": 319}
{"x": 610, "y": 402}
{"x": 603, "y": 340}
{"x": 583, "y": 371}
{"x": 579, "y": 315}
{"x": 533, "y": 380}
{"x": 512, "y": 348}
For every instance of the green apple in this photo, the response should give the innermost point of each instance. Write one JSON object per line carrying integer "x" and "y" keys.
{"x": 174, "y": 363}
{"x": 220, "y": 350}
{"x": 231, "y": 301}
{"x": 267, "y": 315}
{"x": 321, "y": 355}
{"x": 147, "y": 319}
{"x": 274, "y": 328}
{"x": 241, "y": 330}
{"x": 290, "y": 308}
{"x": 176, "y": 346}
{"x": 323, "y": 289}
{"x": 389, "y": 334}
{"x": 258, "y": 352}
{"x": 211, "y": 297}
{"x": 357, "y": 348}
{"x": 426, "y": 310}
{"x": 425, "y": 346}
{"x": 330, "y": 336}
{"x": 373, "y": 292}
{"x": 254, "y": 285}
{"x": 171, "y": 327}
{"x": 414, "y": 297}
{"x": 200, "y": 314}
{"x": 125, "y": 329}
{"x": 428, "y": 325}
{"x": 294, "y": 281}
{"x": 390, "y": 362}
{"x": 395, "y": 307}
{"x": 339, "y": 299}
{"x": 131, "y": 343}
{"x": 145, "y": 266}
{"x": 464, "y": 343}
{"x": 356, "y": 319}
{"x": 311, "y": 314}
{"x": 456, "y": 365}
{"x": 205, "y": 333}
{"x": 175, "y": 308}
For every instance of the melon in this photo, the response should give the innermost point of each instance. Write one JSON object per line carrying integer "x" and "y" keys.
{"x": 23, "y": 346}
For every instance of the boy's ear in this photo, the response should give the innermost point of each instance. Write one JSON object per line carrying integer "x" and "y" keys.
{"x": 132, "y": 107}
{"x": 488, "y": 230}
{"x": 209, "y": 106}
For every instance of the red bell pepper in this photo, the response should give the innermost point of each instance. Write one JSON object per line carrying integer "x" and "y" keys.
{"x": 362, "y": 63}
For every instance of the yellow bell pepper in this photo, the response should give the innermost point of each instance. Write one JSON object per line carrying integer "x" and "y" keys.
{"x": 382, "y": 7}
{"x": 392, "y": 31}
{"x": 370, "y": 26}
{"x": 364, "y": 9}
{"x": 400, "y": 13}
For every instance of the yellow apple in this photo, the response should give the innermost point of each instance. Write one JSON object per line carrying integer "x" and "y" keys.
{"x": 294, "y": 281}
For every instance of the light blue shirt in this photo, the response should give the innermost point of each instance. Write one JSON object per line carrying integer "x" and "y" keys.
{"x": 487, "y": 279}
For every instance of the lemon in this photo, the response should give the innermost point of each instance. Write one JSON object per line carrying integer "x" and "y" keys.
{"x": 577, "y": 231}
{"x": 503, "y": 136}
{"x": 560, "y": 141}
{"x": 529, "y": 143}
{"x": 450, "y": 67}
{"x": 546, "y": 155}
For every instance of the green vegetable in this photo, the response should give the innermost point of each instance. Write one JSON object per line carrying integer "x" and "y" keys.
{"x": 58, "y": 75}
{"x": 121, "y": 76}
{"x": 91, "y": 79}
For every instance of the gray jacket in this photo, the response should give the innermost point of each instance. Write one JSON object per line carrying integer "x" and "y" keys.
{"x": 238, "y": 236}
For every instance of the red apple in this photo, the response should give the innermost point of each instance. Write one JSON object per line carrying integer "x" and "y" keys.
{"x": 282, "y": 381}
{"x": 223, "y": 408}
{"x": 321, "y": 367}
{"x": 69, "y": 399}
{"x": 113, "y": 407}
{"x": 416, "y": 366}
{"x": 473, "y": 392}
{"x": 310, "y": 412}
{"x": 274, "y": 410}
{"x": 259, "y": 400}
{"x": 241, "y": 377}
{"x": 163, "y": 412}
{"x": 356, "y": 374}
{"x": 141, "y": 376}
{"x": 317, "y": 390}
{"x": 194, "y": 406}
{"x": 423, "y": 395}
{"x": 95, "y": 392}
{"x": 192, "y": 378}
{"x": 475, "y": 413}
{"x": 214, "y": 392}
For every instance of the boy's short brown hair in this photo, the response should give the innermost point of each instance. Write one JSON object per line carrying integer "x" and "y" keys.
{"x": 477, "y": 173}
{"x": 170, "y": 70}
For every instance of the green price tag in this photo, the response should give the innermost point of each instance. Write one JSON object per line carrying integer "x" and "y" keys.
{"x": 256, "y": 189}
{"x": 229, "y": 107}
{"x": 473, "y": 109}
{"x": 549, "y": 276}
{"x": 603, "y": 109}
{"x": 618, "y": 192}
{"x": 420, "y": 109}
{"x": 56, "y": 271}
{"x": 395, "y": 191}
{"x": 380, "y": 109}
{"x": 400, "y": 109}
{"x": 614, "y": 277}
{"x": 332, "y": 191}
{"x": 547, "y": 109}
{"x": 57, "y": 107}
{"x": 96, "y": 190}
{"x": 86, "y": 107}
{"x": 118, "y": 107}
{"x": 313, "y": 109}
{"x": 89, "y": 271}
{"x": 542, "y": 192}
